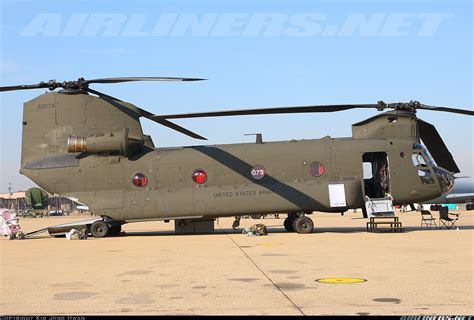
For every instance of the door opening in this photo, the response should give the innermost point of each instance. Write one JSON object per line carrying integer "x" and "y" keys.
{"x": 376, "y": 174}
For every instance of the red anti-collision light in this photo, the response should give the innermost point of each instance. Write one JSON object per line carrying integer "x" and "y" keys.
{"x": 199, "y": 176}
{"x": 140, "y": 180}
{"x": 316, "y": 169}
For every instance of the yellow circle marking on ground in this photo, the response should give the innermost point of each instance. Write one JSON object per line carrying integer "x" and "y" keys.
{"x": 341, "y": 280}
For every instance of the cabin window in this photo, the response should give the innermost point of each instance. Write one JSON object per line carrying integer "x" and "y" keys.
{"x": 367, "y": 166}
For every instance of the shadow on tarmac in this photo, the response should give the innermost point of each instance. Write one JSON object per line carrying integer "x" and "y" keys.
{"x": 277, "y": 230}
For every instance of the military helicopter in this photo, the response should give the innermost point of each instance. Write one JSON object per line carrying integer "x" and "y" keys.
{"x": 84, "y": 144}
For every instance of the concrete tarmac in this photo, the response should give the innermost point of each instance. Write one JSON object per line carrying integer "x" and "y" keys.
{"x": 151, "y": 271}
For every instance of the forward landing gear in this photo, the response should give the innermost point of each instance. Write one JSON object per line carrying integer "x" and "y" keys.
{"x": 298, "y": 223}
{"x": 303, "y": 225}
{"x": 236, "y": 223}
{"x": 288, "y": 224}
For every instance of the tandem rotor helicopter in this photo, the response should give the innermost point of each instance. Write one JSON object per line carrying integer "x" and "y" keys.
{"x": 84, "y": 144}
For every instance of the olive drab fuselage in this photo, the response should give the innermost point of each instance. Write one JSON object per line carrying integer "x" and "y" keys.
{"x": 235, "y": 179}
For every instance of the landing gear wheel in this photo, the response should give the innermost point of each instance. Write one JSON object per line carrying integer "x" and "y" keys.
{"x": 115, "y": 229}
{"x": 99, "y": 229}
{"x": 288, "y": 224}
{"x": 236, "y": 224}
{"x": 303, "y": 225}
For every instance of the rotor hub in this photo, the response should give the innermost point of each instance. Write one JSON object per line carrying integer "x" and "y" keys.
{"x": 411, "y": 106}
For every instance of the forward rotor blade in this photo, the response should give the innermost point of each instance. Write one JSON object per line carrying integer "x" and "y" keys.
{"x": 178, "y": 128}
{"x": 129, "y": 79}
{"x": 148, "y": 115}
{"x": 279, "y": 110}
{"x": 446, "y": 109}
{"x": 436, "y": 146}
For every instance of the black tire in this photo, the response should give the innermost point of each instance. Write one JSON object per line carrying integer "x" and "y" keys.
{"x": 469, "y": 206}
{"x": 288, "y": 224}
{"x": 256, "y": 216}
{"x": 303, "y": 225}
{"x": 99, "y": 229}
{"x": 115, "y": 229}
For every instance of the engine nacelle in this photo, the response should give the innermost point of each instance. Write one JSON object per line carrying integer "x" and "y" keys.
{"x": 118, "y": 141}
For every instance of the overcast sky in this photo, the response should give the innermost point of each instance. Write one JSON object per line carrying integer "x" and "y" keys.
{"x": 255, "y": 54}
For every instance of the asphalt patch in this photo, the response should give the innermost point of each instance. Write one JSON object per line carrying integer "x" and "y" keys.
{"x": 142, "y": 298}
{"x": 244, "y": 279}
{"x": 290, "y": 286}
{"x": 283, "y": 271}
{"x": 134, "y": 273}
{"x": 388, "y": 300}
{"x": 73, "y": 295}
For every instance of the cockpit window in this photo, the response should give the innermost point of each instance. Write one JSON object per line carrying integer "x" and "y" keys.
{"x": 422, "y": 161}
{"x": 417, "y": 147}
{"x": 426, "y": 176}
{"x": 418, "y": 159}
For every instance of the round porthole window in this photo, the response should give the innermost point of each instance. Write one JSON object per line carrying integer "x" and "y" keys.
{"x": 199, "y": 176}
{"x": 316, "y": 169}
{"x": 258, "y": 172}
{"x": 140, "y": 180}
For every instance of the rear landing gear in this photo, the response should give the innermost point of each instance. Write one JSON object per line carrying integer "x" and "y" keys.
{"x": 99, "y": 229}
{"x": 300, "y": 224}
{"x": 115, "y": 229}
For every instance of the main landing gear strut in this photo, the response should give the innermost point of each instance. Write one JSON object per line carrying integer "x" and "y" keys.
{"x": 299, "y": 223}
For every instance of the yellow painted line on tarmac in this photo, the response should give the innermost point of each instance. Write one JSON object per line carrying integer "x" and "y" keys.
{"x": 341, "y": 280}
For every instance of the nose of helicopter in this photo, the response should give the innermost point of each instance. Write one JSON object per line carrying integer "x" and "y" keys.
{"x": 445, "y": 178}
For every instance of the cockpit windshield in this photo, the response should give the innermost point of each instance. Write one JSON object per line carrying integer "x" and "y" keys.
{"x": 422, "y": 160}
{"x": 426, "y": 154}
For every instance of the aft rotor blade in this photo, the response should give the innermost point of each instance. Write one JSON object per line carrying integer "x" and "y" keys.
{"x": 278, "y": 110}
{"x": 146, "y": 114}
{"x": 129, "y": 79}
{"x": 25, "y": 87}
{"x": 436, "y": 146}
{"x": 446, "y": 109}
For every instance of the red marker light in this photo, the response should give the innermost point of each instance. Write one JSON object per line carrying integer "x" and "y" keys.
{"x": 199, "y": 176}
{"x": 140, "y": 180}
{"x": 316, "y": 169}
